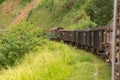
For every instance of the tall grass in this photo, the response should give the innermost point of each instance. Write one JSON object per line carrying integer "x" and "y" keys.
{"x": 55, "y": 61}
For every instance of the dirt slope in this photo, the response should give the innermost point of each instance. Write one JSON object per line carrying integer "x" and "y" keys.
{"x": 25, "y": 11}
{"x": 10, "y": 6}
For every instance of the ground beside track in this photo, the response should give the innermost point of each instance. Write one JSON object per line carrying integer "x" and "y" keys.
{"x": 57, "y": 61}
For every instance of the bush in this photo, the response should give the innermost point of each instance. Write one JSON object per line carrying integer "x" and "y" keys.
{"x": 87, "y": 23}
{"x": 1, "y": 1}
{"x": 84, "y": 23}
{"x": 100, "y": 11}
{"x": 47, "y": 4}
{"x": 17, "y": 41}
{"x": 24, "y": 2}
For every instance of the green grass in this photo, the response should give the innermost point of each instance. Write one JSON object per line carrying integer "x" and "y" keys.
{"x": 24, "y": 2}
{"x": 7, "y": 18}
{"x": 103, "y": 68}
{"x": 51, "y": 13}
{"x": 41, "y": 18}
{"x": 56, "y": 61}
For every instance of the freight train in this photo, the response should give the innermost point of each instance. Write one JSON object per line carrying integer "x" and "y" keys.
{"x": 95, "y": 40}
{"x": 103, "y": 41}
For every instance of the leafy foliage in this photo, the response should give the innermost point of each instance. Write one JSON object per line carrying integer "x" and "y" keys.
{"x": 47, "y": 3}
{"x": 24, "y": 2}
{"x": 84, "y": 23}
{"x": 64, "y": 13}
{"x": 100, "y": 11}
{"x": 1, "y": 1}
{"x": 17, "y": 41}
{"x": 57, "y": 13}
{"x": 57, "y": 61}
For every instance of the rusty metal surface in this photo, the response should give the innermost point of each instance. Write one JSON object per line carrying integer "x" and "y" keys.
{"x": 92, "y": 38}
{"x": 116, "y": 40}
{"x": 68, "y": 35}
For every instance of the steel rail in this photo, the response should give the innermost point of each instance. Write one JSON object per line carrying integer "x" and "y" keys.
{"x": 114, "y": 40}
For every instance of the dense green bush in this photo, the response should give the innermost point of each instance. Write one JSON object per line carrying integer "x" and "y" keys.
{"x": 87, "y": 23}
{"x": 100, "y": 11}
{"x": 47, "y": 3}
{"x": 24, "y": 2}
{"x": 17, "y": 41}
{"x": 84, "y": 23}
{"x": 1, "y": 1}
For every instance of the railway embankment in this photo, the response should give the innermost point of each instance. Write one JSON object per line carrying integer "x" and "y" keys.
{"x": 57, "y": 61}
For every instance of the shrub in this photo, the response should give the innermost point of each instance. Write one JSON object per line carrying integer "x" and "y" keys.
{"x": 46, "y": 3}
{"x": 17, "y": 41}
{"x": 100, "y": 11}
{"x": 24, "y": 2}
{"x": 1, "y": 1}
{"x": 84, "y": 23}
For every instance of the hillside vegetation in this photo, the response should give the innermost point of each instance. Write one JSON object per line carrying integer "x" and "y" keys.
{"x": 17, "y": 41}
{"x": 9, "y": 9}
{"x": 24, "y": 50}
{"x": 26, "y": 54}
{"x": 67, "y": 13}
{"x": 56, "y": 61}
{"x": 74, "y": 14}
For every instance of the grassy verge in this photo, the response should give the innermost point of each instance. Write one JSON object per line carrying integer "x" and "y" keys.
{"x": 56, "y": 61}
{"x": 104, "y": 70}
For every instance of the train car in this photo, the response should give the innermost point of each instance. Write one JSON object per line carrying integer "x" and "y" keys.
{"x": 53, "y": 34}
{"x": 96, "y": 37}
{"x": 101, "y": 39}
{"x": 68, "y": 36}
{"x": 87, "y": 38}
{"x": 82, "y": 38}
{"x": 91, "y": 38}
{"x": 79, "y": 38}
{"x": 73, "y": 37}
{"x": 64, "y": 35}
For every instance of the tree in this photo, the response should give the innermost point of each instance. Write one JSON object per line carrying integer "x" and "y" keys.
{"x": 1, "y": 1}
{"x": 100, "y": 11}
